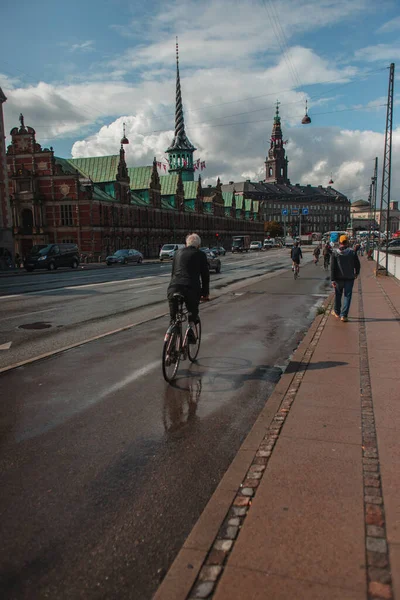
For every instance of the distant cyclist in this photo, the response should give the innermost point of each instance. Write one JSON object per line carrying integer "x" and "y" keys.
{"x": 327, "y": 252}
{"x": 317, "y": 252}
{"x": 296, "y": 254}
{"x": 191, "y": 278}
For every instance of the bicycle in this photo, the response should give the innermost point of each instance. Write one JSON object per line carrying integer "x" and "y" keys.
{"x": 176, "y": 346}
{"x": 296, "y": 269}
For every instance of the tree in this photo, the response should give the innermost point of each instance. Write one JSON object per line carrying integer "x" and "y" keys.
{"x": 273, "y": 228}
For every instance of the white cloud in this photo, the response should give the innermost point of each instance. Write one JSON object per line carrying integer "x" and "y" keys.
{"x": 389, "y": 26}
{"x": 388, "y": 52}
{"x": 83, "y": 47}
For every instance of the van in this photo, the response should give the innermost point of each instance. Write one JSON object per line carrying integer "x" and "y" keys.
{"x": 52, "y": 256}
{"x": 167, "y": 252}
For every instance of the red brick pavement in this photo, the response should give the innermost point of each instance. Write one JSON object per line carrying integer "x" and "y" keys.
{"x": 316, "y": 511}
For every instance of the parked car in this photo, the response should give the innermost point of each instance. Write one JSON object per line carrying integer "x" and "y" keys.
{"x": 219, "y": 250}
{"x": 123, "y": 257}
{"x": 167, "y": 252}
{"x": 52, "y": 256}
{"x": 214, "y": 263}
{"x": 256, "y": 246}
{"x": 268, "y": 244}
{"x": 394, "y": 246}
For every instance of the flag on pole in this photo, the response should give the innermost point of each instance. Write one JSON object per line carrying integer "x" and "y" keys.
{"x": 165, "y": 167}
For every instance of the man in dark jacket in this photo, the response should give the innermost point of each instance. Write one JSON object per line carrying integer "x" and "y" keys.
{"x": 191, "y": 278}
{"x": 296, "y": 254}
{"x": 345, "y": 268}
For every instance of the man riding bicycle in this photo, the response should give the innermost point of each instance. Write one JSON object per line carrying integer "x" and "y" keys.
{"x": 191, "y": 278}
{"x": 296, "y": 254}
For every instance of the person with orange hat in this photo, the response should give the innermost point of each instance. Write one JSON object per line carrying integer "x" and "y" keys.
{"x": 345, "y": 268}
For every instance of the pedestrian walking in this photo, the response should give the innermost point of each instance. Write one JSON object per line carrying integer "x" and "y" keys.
{"x": 345, "y": 268}
{"x": 316, "y": 253}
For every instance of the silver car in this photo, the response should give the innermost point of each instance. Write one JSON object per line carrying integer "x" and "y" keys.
{"x": 123, "y": 257}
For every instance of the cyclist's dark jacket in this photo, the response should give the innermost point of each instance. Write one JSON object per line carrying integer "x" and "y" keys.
{"x": 188, "y": 268}
{"x": 296, "y": 254}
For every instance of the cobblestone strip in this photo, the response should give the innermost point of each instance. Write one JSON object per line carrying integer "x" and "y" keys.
{"x": 212, "y": 568}
{"x": 379, "y": 577}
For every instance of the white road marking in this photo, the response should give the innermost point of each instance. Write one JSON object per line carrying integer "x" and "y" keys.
{"x": 23, "y": 315}
{"x": 6, "y": 346}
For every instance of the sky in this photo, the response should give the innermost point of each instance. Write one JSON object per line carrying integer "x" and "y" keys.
{"x": 79, "y": 70}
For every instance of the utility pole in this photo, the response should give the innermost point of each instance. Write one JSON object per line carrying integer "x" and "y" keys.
{"x": 387, "y": 169}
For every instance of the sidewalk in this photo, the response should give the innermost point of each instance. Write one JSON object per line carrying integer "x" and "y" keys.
{"x": 310, "y": 507}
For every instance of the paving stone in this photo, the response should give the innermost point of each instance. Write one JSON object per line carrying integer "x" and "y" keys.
{"x": 263, "y": 453}
{"x": 241, "y": 501}
{"x": 210, "y": 573}
{"x": 239, "y": 511}
{"x": 372, "y": 491}
{"x": 257, "y": 468}
{"x": 204, "y": 589}
{"x": 376, "y": 544}
{"x": 380, "y": 575}
{"x": 375, "y": 531}
{"x": 374, "y": 515}
{"x": 370, "y": 468}
{"x": 231, "y": 532}
{"x": 251, "y": 483}
{"x": 224, "y": 545}
{"x": 380, "y": 590}
{"x": 247, "y": 491}
{"x": 373, "y": 500}
{"x": 254, "y": 475}
{"x": 216, "y": 557}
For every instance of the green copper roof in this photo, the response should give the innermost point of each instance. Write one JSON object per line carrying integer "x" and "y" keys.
{"x": 139, "y": 177}
{"x": 100, "y": 169}
{"x": 168, "y": 184}
{"x": 167, "y": 205}
{"x": 99, "y": 194}
{"x": 66, "y": 166}
{"x": 190, "y": 188}
{"x": 239, "y": 201}
{"x": 247, "y": 205}
{"x": 256, "y": 206}
{"x": 227, "y": 198}
{"x": 137, "y": 200}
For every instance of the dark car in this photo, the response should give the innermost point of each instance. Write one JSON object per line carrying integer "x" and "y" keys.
{"x": 219, "y": 250}
{"x": 123, "y": 257}
{"x": 53, "y": 256}
{"x": 214, "y": 263}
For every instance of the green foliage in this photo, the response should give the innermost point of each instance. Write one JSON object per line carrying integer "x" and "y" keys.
{"x": 273, "y": 228}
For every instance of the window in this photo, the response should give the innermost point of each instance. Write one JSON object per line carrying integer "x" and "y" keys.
{"x": 66, "y": 214}
{"x": 67, "y": 241}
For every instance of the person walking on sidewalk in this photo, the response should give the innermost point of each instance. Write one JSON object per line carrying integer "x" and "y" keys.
{"x": 345, "y": 268}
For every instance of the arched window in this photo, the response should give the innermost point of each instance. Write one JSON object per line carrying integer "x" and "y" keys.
{"x": 27, "y": 221}
{"x": 270, "y": 171}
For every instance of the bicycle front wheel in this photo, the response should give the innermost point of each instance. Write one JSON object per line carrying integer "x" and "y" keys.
{"x": 171, "y": 355}
{"x": 193, "y": 349}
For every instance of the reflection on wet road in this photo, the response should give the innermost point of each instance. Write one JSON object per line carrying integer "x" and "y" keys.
{"x": 105, "y": 468}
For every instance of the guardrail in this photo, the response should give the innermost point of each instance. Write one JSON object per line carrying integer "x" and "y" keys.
{"x": 393, "y": 263}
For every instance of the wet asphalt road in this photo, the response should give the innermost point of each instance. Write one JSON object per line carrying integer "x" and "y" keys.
{"x": 105, "y": 468}
{"x": 42, "y": 312}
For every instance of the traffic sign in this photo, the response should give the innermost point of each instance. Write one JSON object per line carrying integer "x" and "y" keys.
{"x": 305, "y": 211}
{"x": 284, "y": 211}
{"x": 295, "y": 211}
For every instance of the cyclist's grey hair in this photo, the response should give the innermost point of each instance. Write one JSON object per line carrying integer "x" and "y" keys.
{"x": 193, "y": 240}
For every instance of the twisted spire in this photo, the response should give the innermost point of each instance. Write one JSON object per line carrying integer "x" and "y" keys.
{"x": 181, "y": 141}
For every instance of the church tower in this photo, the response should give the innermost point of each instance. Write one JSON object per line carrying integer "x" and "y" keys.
{"x": 276, "y": 163}
{"x": 180, "y": 152}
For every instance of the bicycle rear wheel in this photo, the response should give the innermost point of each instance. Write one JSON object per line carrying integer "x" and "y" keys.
{"x": 171, "y": 355}
{"x": 295, "y": 273}
{"x": 193, "y": 349}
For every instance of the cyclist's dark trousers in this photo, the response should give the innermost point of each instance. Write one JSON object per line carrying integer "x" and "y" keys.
{"x": 192, "y": 299}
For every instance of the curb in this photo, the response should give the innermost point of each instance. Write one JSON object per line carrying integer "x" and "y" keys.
{"x": 231, "y": 500}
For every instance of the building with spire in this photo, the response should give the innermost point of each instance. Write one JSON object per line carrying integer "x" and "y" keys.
{"x": 300, "y": 209}
{"x": 180, "y": 152}
{"x": 6, "y": 240}
{"x": 276, "y": 164}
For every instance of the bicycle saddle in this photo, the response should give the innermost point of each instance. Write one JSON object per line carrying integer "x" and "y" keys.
{"x": 178, "y": 296}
